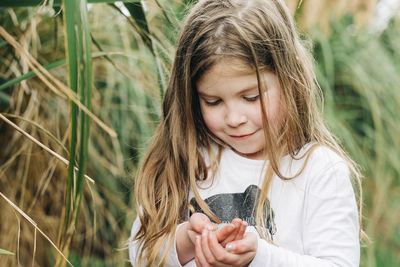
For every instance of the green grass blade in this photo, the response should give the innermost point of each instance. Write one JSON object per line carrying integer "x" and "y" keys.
{"x": 137, "y": 13}
{"x": 21, "y": 3}
{"x": 30, "y": 74}
{"x": 189, "y": 2}
{"x": 80, "y": 77}
{"x": 86, "y": 86}
{"x": 70, "y": 9}
{"x": 50, "y": 66}
{"x": 5, "y": 252}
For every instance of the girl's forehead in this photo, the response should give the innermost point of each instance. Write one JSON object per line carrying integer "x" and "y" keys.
{"x": 233, "y": 66}
{"x": 225, "y": 65}
{"x": 234, "y": 74}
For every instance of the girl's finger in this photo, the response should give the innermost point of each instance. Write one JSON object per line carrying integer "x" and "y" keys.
{"x": 236, "y": 221}
{"x": 220, "y": 254}
{"x": 249, "y": 243}
{"x": 233, "y": 236}
{"x": 200, "y": 221}
{"x": 241, "y": 231}
{"x": 224, "y": 232}
{"x": 192, "y": 235}
{"x": 199, "y": 256}
{"x": 225, "y": 258}
{"x": 238, "y": 224}
{"x": 208, "y": 255}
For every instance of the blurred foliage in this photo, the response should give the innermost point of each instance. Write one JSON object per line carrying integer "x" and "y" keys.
{"x": 357, "y": 70}
{"x": 309, "y": 13}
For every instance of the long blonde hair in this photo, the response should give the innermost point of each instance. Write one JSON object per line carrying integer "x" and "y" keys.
{"x": 260, "y": 33}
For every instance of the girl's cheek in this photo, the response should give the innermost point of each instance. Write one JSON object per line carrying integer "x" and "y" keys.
{"x": 210, "y": 119}
{"x": 276, "y": 110}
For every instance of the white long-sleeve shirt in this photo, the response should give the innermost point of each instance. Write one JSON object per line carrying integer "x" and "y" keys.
{"x": 313, "y": 219}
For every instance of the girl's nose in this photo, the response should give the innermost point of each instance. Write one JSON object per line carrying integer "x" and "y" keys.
{"x": 235, "y": 117}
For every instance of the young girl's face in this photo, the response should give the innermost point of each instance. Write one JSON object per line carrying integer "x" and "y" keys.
{"x": 230, "y": 105}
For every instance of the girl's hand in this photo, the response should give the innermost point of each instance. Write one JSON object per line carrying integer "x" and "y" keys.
{"x": 230, "y": 232}
{"x": 209, "y": 252}
{"x": 197, "y": 223}
{"x": 226, "y": 234}
{"x": 186, "y": 236}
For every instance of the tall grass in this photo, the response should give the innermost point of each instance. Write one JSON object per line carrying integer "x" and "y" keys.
{"x": 74, "y": 186}
{"x": 131, "y": 56}
{"x": 80, "y": 80}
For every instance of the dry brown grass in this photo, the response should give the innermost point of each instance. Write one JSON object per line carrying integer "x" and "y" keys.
{"x": 35, "y": 181}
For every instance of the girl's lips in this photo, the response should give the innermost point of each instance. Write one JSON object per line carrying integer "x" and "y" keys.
{"x": 241, "y": 137}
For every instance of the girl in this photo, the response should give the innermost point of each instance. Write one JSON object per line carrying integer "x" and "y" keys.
{"x": 241, "y": 141}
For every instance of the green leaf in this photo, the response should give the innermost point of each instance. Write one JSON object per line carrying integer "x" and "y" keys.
{"x": 137, "y": 13}
{"x": 5, "y": 252}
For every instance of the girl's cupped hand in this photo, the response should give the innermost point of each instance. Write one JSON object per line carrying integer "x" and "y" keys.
{"x": 209, "y": 252}
{"x": 225, "y": 233}
{"x": 223, "y": 245}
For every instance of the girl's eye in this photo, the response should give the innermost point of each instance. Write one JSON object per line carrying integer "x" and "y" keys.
{"x": 251, "y": 98}
{"x": 212, "y": 103}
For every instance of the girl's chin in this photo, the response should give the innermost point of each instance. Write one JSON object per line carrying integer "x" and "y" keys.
{"x": 258, "y": 155}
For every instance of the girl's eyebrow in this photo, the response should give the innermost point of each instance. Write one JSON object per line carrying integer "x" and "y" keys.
{"x": 204, "y": 94}
{"x": 249, "y": 88}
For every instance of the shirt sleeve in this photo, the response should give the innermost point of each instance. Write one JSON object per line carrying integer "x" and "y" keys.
{"x": 172, "y": 258}
{"x": 330, "y": 227}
